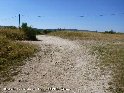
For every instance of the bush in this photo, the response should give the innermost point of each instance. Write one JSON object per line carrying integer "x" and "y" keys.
{"x": 29, "y": 32}
{"x": 110, "y": 32}
{"x": 46, "y": 31}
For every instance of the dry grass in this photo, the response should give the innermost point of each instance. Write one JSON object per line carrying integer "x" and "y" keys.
{"x": 12, "y": 53}
{"x": 112, "y": 56}
{"x": 88, "y": 35}
{"x": 14, "y": 34}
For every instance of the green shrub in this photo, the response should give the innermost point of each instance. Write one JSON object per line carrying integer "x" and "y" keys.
{"x": 29, "y": 32}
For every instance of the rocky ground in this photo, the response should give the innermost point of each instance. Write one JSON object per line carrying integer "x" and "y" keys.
{"x": 60, "y": 66}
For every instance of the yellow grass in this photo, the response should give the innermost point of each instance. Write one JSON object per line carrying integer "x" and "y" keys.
{"x": 14, "y": 34}
{"x": 87, "y": 35}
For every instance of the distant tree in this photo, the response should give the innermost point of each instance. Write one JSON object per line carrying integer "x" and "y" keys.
{"x": 110, "y": 32}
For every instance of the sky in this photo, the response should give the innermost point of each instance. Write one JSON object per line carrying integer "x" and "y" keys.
{"x": 100, "y": 15}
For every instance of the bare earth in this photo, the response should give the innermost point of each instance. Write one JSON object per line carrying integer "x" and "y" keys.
{"x": 61, "y": 66}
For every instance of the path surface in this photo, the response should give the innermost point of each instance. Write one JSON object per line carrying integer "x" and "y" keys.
{"x": 61, "y": 66}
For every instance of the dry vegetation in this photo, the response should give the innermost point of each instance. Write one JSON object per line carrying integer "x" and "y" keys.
{"x": 12, "y": 53}
{"x": 88, "y": 35}
{"x": 111, "y": 54}
{"x": 13, "y": 34}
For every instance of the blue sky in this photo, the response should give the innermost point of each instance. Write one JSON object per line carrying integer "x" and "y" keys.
{"x": 65, "y": 14}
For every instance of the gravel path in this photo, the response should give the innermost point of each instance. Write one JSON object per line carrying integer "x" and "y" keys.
{"x": 61, "y": 66}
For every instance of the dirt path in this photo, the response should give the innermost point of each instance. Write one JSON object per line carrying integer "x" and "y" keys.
{"x": 61, "y": 66}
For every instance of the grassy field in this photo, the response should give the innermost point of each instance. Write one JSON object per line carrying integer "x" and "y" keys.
{"x": 111, "y": 54}
{"x": 88, "y": 35}
{"x": 12, "y": 53}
